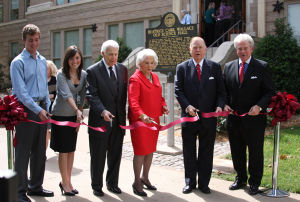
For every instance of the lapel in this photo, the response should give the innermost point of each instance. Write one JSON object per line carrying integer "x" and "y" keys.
{"x": 194, "y": 77}
{"x": 120, "y": 77}
{"x": 144, "y": 79}
{"x": 249, "y": 71}
{"x": 105, "y": 77}
{"x": 205, "y": 74}
{"x": 235, "y": 70}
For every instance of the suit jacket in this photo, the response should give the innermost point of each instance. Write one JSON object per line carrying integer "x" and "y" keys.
{"x": 100, "y": 95}
{"x": 206, "y": 95}
{"x": 144, "y": 97}
{"x": 256, "y": 89}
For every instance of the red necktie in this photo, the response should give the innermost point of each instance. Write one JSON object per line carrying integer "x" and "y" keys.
{"x": 198, "y": 72}
{"x": 241, "y": 72}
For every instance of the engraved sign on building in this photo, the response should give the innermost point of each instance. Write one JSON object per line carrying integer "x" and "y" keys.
{"x": 170, "y": 40}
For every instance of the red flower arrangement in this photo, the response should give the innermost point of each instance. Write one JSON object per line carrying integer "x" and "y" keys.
{"x": 283, "y": 107}
{"x": 11, "y": 112}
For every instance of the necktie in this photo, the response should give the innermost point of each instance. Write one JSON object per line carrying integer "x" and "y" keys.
{"x": 241, "y": 72}
{"x": 198, "y": 72}
{"x": 112, "y": 74}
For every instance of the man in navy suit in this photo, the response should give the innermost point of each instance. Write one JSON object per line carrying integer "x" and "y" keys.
{"x": 199, "y": 87}
{"x": 249, "y": 90}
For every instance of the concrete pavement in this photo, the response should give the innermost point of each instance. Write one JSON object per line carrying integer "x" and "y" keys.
{"x": 168, "y": 179}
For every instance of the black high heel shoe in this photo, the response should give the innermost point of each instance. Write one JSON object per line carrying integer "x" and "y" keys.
{"x": 137, "y": 192}
{"x": 148, "y": 186}
{"x": 75, "y": 191}
{"x": 63, "y": 192}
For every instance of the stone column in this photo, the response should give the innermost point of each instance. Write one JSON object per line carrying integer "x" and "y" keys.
{"x": 261, "y": 18}
{"x": 177, "y": 7}
{"x": 249, "y": 24}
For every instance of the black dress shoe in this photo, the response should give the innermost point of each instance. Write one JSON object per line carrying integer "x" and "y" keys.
{"x": 75, "y": 191}
{"x": 115, "y": 190}
{"x": 205, "y": 190}
{"x": 148, "y": 186}
{"x": 137, "y": 192}
{"x": 24, "y": 198}
{"x": 188, "y": 189}
{"x": 237, "y": 185}
{"x": 253, "y": 190}
{"x": 42, "y": 192}
{"x": 98, "y": 192}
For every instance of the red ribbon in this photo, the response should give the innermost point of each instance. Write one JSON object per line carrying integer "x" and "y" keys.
{"x": 159, "y": 127}
{"x": 68, "y": 123}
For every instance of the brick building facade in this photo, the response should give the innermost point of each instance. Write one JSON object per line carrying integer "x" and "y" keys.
{"x": 88, "y": 23}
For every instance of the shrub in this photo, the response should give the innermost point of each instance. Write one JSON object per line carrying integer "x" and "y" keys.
{"x": 282, "y": 53}
{"x": 124, "y": 51}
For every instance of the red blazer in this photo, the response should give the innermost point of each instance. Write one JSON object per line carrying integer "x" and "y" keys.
{"x": 144, "y": 97}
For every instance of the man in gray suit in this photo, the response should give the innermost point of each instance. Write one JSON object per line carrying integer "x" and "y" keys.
{"x": 107, "y": 83}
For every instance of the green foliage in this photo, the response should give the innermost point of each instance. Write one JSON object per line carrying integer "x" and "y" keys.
{"x": 282, "y": 53}
{"x": 124, "y": 51}
{"x": 289, "y": 161}
{"x": 3, "y": 85}
{"x": 221, "y": 124}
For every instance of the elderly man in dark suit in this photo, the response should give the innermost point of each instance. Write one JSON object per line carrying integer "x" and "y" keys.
{"x": 249, "y": 90}
{"x": 107, "y": 83}
{"x": 199, "y": 87}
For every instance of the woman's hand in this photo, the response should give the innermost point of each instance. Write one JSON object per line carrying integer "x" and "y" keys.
{"x": 165, "y": 110}
{"x": 79, "y": 119}
{"x": 146, "y": 119}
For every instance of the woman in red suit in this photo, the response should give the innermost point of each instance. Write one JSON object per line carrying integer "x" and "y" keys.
{"x": 145, "y": 104}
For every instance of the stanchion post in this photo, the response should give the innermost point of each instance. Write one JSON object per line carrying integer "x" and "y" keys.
{"x": 10, "y": 150}
{"x": 170, "y": 104}
{"x": 274, "y": 192}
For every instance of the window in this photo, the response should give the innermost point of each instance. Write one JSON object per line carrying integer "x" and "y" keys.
{"x": 56, "y": 49}
{"x": 14, "y": 49}
{"x": 154, "y": 23}
{"x": 27, "y": 4}
{"x": 134, "y": 34}
{"x": 60, "y": 2}
{"x": 14, "y": 10}
{"x": 70, "y": 1}
{"x": 1, "y": 13}
{"x": 113, "y": 32}
{"x": 71, "y": 38}
{"x": 82, "y": 38}
{"x": 293, "y": 19}
{"x": 87, "y": 48}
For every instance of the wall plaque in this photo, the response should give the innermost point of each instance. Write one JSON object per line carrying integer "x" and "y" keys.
{"x": 170, "y": 40}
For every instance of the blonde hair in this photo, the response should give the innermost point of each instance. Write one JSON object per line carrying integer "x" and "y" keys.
{"x": 53, "y": 67}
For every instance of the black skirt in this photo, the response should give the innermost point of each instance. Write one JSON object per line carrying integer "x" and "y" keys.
{"x": 63, "y": 138}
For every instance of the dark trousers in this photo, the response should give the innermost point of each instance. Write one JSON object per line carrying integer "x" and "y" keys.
{"x": 204, "y": 162}
{"x": 102, "y": 146}
{"x": 30, "y": 148}
{"x": 243, "y": 134}
{"x": 209, "y": 33}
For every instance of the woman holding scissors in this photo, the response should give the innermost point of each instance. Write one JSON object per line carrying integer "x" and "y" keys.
{"x": 145, "y": 104}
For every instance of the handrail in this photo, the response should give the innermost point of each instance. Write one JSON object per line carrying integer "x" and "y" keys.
{"x": 237, "y": 24}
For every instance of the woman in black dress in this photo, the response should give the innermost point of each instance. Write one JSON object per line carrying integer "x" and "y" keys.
{"x": 67, "y": 106}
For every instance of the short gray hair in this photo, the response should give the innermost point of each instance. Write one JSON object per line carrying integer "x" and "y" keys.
{"x": 243, "y": 37}
{"x": 141, "y": 56}
{"x": 109, "y": 43}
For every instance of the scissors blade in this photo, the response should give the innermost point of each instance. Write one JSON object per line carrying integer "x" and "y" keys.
{"x": 154, "y": 122}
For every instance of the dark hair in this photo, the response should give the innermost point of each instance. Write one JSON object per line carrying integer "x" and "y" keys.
{"x": 70, "y": 52}
{"x": 30, "y": 29}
